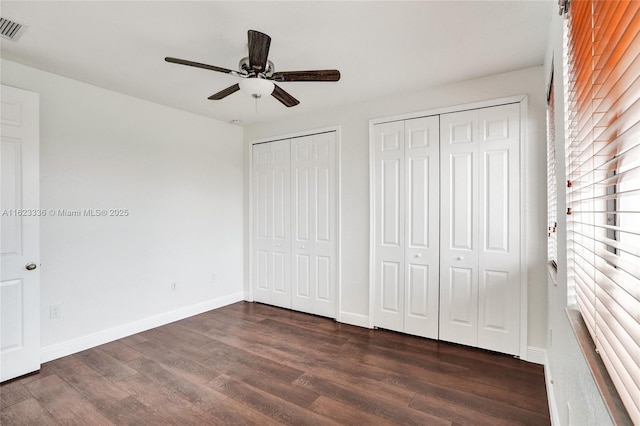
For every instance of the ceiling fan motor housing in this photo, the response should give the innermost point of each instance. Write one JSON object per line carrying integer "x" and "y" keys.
{"x": 245, "y": 68}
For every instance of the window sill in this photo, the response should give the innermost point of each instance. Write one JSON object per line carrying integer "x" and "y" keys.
{"x": 609, "y": 394}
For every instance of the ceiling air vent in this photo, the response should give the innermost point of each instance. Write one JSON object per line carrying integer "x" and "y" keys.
{"x": 10, "y": 30}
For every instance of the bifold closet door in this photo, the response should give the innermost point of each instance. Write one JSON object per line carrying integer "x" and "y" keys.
{"x": 272, "y": 223}
{"x": 406, "y": 227}
{"x": 480, "y": 228}
{"x": 314, "y": 243}
{"x": 294, "y": 223}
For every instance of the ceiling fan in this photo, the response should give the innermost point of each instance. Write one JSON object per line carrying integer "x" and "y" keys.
{"x": 258, "y": 73}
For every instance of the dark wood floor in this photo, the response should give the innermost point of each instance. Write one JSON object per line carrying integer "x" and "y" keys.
{"x": 255, "y": 364}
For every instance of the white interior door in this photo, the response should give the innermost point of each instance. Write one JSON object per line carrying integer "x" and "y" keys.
{"x": 313, "y": 194}
{"x": 499, "y": 232}
{"x": 459, "y": 227}
{"x": 480, "y": 226}
{"x": 407, "y": 207}
{"x": 271, "y": 223}
{"x": 422, "y": 226}
{"x": 389, "y": 204}
{"x": 294, "y": 223}
{"x": 20, "y": 233}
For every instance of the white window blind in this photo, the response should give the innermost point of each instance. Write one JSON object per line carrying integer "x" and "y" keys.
{"x": 603, "y": 195}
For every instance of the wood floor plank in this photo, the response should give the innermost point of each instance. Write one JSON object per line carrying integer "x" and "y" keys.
{"x": 13, "y": 392}
{"x": 108, "y": 367}
{"x": 369, "y": 402}
{"x": 421, "y": 381}
{"x": 64, "y": 403}
{"x": 159, "y": 351}
{"x": 346, "y": 414}
{"x": 483, "y": 405}
{"x": 89, "y": 383}
{"x": 196, "y": 393}
{"x": 249, "y": 363}
{"x": 271, "y": 405}
{"x": 120, "y": 351}
{"x": 455, "y": 412}
{"x": 232, "y": 412}
{"x": 169, "y": 405}
{"x": 28, "y": 412}
{"x": 131, "y": 411}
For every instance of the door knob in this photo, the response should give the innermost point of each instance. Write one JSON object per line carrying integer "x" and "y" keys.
{"x": 278, "y": 245}
{"x": 30, "y": 266}
{"x": 460, "y": 258}
{"x": 302, "y": 247}
{"x": 418, "y": 255}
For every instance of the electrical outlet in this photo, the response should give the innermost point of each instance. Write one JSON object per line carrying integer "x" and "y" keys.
{"x": 174, "y": 286}
{"x": 55, "y": 311}
{"x": 214, "y": 278}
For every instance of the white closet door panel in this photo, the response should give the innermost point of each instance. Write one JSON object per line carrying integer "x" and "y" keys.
{"x": 499, "y": 238}
{"x": 391, "y": 198}
{"x": 271, "y": 243}
{"x": 389, "y": 271}
{"x": 302, "y": 278}
{"x": 461, "y": 205}
{"x": 459, "y": 227}
{"x": 421, "y": 219}
{"x": 314, "y": 224}
{"x": 391, "y": 289}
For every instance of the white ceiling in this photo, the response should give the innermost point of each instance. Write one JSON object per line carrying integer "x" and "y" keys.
{"x": 381, "y": 48}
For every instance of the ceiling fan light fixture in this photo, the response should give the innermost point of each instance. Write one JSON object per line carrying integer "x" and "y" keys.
{"x": 256, "y": 87}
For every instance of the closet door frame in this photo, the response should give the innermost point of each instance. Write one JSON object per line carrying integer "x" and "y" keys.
{"x": 249, "y": 276}
{"x": 523, "y": 101}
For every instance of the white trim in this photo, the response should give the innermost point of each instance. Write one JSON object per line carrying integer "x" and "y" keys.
{"x": 372, "y": 224}
{"x": 338, "y": 220}
{"x": 338, "y": 131}
{"x": 59, "y": 350}
{"x": 249, "y": 291}
{"x": 454, "y": 108}
{"x": 536, "y": 355}
{"x": 354, "y": 319}
{"x": 299, "y": 134}
{"x": 551, "y": 397}
{"x": 523, "y": 100}
{"x": 524, "y": 214}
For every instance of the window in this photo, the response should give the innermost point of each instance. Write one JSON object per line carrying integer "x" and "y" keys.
{"x": 603, "y": 193}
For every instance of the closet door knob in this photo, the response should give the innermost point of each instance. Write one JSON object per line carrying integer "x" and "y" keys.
{"x": 460, "y": 258}
{"x": 418, "y": 255}
{"x": 278, "y": 245}
{"x": 301, "y": 247}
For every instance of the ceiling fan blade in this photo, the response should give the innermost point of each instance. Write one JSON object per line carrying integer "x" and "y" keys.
{"x": 258, "y": 50}
{"x": 284, "y": 97}
{"x": 198, "y": 65}
{"x": 314, "y": 75}
{"x": 225, "y": 92}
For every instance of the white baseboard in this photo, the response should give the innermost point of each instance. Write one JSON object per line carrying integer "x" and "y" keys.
{"x": 354, "y": 319}
{"x": 551, "y": 396}
{"x": 536, "y": 355}
{"x": 58, "y": 350}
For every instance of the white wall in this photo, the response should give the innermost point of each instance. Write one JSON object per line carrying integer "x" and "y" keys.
{"x": 180, "y": 176}
{"x": 574, "y": 395}
{"x": 354, "y": 169}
